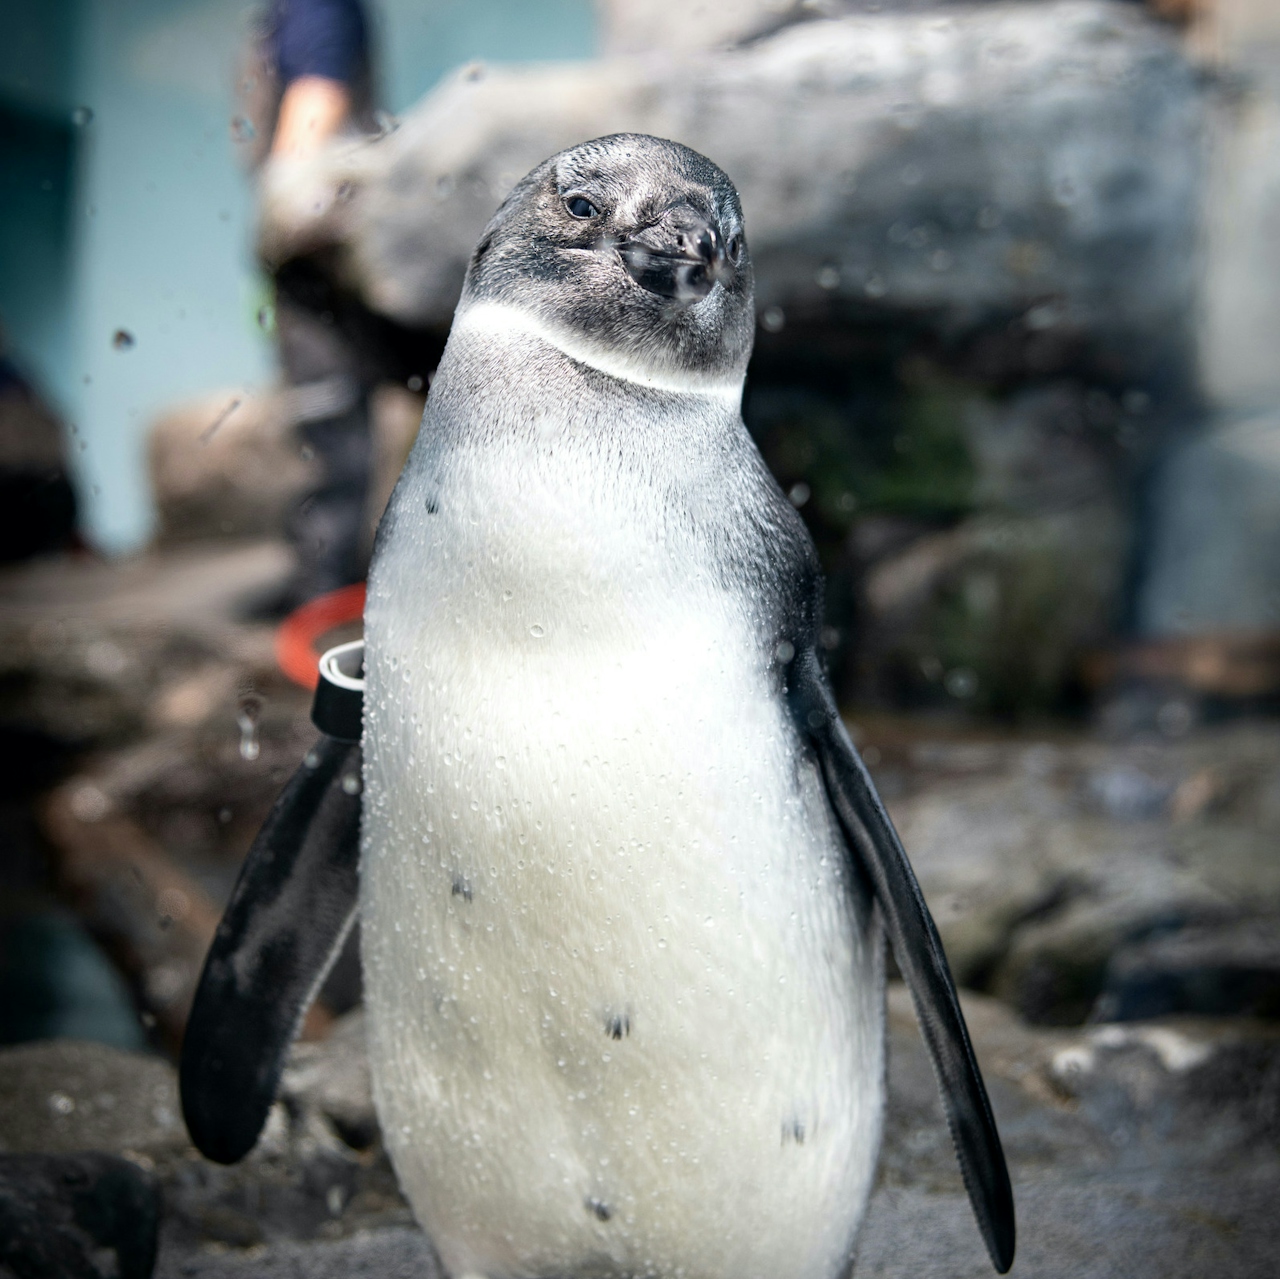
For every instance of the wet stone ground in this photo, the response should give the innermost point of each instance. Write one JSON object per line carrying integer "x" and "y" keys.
{"x": 1148, "y": 1148}
{"x": 1111, "y": 904}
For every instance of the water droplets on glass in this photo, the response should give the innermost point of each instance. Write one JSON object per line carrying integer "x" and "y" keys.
{"x": 961, "y": 682}
{"x": 247, "y": 722}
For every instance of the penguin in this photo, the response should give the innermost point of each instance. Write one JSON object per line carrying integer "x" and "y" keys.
{"x": 623, "y": 880}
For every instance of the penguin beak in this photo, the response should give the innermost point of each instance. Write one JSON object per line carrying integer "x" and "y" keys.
{"x": 681, "y": 257}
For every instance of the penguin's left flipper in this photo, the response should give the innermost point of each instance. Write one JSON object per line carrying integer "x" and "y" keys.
{"x": 918, "y": 950}
{"x": 291, "y": 909}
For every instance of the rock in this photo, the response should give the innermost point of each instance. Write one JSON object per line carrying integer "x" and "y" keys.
{"x": 317, "y": 1173}
{"x": 227, "y": 465}
{"x": 331, "y": 1078}
{"x": 1060, "y": 869}
{"x": 76, "y": 1217}
{"x": 978, "y": 542}
{"x": 158, "y": 921}
{"x": 231, "y": 464}
{"x": 651, "y": 26}
{"x": 397, "y": 1253}
{"x": 995, "y": 613}
{"x": 1034, "y": 162}
{"x": 1139, "y": 1150}
{"x": 302, "y": 1182}
{"x": 1224, "y": 968}
{"x": 97, "y": 652}
{"x": 150, "y": 660}
{"x": 1162, "y": 1128}
{"x": 60, "y": 1096}
{"x": 395, "y": 415}
{"x": 146, "y": 845}
{"x": 646, "y": 26}
{"x": 1007, "y": 194}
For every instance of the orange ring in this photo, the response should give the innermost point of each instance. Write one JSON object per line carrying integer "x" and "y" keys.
{"x": 296, "y": 653}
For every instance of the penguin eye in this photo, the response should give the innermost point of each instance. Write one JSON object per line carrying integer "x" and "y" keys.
{"x": 734, "y": 248}
{"x": 580, "y": 207}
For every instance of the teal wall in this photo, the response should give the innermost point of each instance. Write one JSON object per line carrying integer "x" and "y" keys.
{"x": 146, "y": 221}
{"x": 163, "y": 217}
{"x": 37, "y": 176}
{"x": 421, "y": 40}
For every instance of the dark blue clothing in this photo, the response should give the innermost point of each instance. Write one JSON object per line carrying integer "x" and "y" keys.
{"x": 328, "y": 528}
{"x": 327, "y": 38}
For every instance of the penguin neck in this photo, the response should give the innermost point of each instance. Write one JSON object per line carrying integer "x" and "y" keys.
{"x": 490, "y": 320}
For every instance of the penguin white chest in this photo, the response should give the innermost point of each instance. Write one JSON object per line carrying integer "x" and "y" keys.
{"x": 625, "y": 1009}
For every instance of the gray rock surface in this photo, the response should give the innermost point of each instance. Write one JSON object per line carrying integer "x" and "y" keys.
{"x": 998, "y": 609}
{"x": 83, "y": 1216}
{"x": 395, "y": 1253}
{"x": 63, "y": 1095}
{"x": 1064, "y": 871}
{"x": 1009, "y": 191}
{"x": 1030, "y": 161}
{"x": 151, "y": 661}
{"x": 1137, "y": 1150}
{"x": 100, "y": 652}
{"x": 303, "y": 1181}
{"x": 1148, "y": 1149}
{"x": 331, "y": 1078}
{"x": 227, "y": 465}
{"x": 975, "y": 542}
{"x": 231, "y": 464}
{"x": 647, "y": 26}
{"x": 993, "y": 614}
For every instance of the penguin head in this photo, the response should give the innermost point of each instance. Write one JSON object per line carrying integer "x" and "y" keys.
{"x": 630, "y": 245}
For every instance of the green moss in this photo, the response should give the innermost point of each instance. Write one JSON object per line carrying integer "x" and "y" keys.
{"x": 898, "y": 449}
{"x": 925, "y": 468}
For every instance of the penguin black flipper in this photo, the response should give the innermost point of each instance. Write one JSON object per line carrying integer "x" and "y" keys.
{"x": 918, "y": 950}
{"x": 290, "y": 911}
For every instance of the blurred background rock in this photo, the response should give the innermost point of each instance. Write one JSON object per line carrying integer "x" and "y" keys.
{"x": 1018, "y": 293}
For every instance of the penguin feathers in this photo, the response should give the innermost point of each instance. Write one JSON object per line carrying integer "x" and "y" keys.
{"x": 874, "y": 845}
{"x": 291, "y": 908}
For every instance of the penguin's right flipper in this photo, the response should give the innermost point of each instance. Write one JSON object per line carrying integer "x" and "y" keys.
{"x": 919, "y": 953}
{"x": 290, "y": 911}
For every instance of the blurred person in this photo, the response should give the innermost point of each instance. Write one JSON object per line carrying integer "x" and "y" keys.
{"x": 315, "y": 79}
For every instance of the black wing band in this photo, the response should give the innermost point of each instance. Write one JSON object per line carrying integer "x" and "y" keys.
{"x": 919, "y": 953}
{"x": 290, "y": 911}
{"x": 338, "y": 707}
